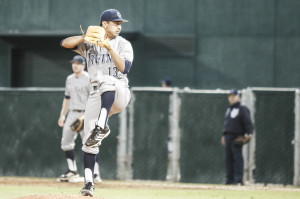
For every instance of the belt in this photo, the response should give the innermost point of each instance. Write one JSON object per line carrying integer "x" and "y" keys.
{"x": 231, "y": 133}
{"x": 75, "y": 110}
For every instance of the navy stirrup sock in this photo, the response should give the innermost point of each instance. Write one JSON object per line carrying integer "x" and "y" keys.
{"x": 89, "y": 161}
{"x": 70, "y": 154}
{"x": 107, "y": 100}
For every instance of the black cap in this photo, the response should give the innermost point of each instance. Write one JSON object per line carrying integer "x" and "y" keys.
{"x": 78, "y": 59}
{"x": 233, "y": 92}
{"x": 167, "y": 81}
{"x": 111, "y": 15}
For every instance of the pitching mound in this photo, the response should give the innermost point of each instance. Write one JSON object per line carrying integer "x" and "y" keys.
{"x": 57, "y": 197}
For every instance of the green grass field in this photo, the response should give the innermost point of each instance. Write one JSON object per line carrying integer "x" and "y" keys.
{"x": 146, "y": 190}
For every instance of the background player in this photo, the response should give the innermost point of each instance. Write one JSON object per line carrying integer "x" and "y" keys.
{"x": 107, "y": 68}
{"x": 237, "y": 124}
{"x": 76, "y": 95}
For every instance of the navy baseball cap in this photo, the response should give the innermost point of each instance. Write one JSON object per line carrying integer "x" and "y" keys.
{"x": 233, "y": 92}
{"x": 111, "y": 15}
{"x": 78, "y": 59}
{"x": 167, "y": 81}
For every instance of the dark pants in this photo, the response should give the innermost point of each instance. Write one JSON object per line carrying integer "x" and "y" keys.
{"x": 234, "y": 161}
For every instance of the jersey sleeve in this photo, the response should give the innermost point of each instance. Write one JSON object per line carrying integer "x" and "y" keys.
{"x": 67, "y": 89}
{"x": 127, "y": 54}
{"x": 126, "y": 51}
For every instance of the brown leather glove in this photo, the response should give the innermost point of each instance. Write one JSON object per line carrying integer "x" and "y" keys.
{"x": 77, "y": 125}
{"x": 241, "y": 140}
{"x": 96, "y": 35}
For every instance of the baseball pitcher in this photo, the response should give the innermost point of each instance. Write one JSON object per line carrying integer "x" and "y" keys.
{"x": 109, "y": 59}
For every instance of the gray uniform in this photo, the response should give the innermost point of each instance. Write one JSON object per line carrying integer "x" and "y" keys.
{"x": 78, "y": 90}
{"x": 104, "y": 76}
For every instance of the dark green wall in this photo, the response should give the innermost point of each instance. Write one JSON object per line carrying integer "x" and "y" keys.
{"x": 39, "y": 61}
{"x": 5, "y": 54}
{"x": 199, "y": 43}
{"x": 64, "y": 15}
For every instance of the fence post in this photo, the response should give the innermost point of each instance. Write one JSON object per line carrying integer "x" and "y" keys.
{"x": 130, "y": 137}
{"x": 248, "y": 99}
{"x": 122, "y": 146}
{"x": 175, "y": 136}
{"x": 297, "y": 139}
{"x": 125, "y": 142}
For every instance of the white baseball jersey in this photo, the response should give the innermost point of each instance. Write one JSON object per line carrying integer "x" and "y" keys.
{"x": 103, "y": 70}
{"x": 78, "y": 90}
{"x": 100, "y": 62}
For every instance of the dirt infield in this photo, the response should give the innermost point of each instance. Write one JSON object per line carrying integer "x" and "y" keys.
{"x": 136, "y": 184}
{"x": 56, "y": 197}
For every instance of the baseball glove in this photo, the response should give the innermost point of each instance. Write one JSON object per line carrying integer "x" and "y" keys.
{"x": 96, "y": 35}
{"x": 241, "y": 140}
{"x": 77, "y": 125}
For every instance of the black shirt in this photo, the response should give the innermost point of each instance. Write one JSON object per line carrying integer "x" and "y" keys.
{"x": 238, "y": 120}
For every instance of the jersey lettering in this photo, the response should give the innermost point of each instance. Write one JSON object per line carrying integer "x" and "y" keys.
{"x": 99, "y": 59}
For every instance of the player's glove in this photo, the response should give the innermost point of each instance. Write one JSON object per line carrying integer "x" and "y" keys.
{"x": 96, "y": 35}
{"x": 241, "y": 140}
{"x": 77, "y": 125}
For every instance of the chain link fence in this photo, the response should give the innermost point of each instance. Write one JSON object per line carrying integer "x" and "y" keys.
{"x": 151, "y": 111}
{"x": 201, "y": 122}
{"x": 275, "y": 119}
{"x": 30, "y": 136}
{"x": 196, "y": 120}
{"x": 165, "y": 134}
{"x": 27, "y": 139}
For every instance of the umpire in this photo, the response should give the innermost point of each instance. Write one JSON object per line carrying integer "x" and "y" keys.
{"x": 237, "y": 131}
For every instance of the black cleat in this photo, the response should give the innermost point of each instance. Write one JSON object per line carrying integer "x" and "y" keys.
{"x": 96, "y": 136}
{"x": 88, "y": 189}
